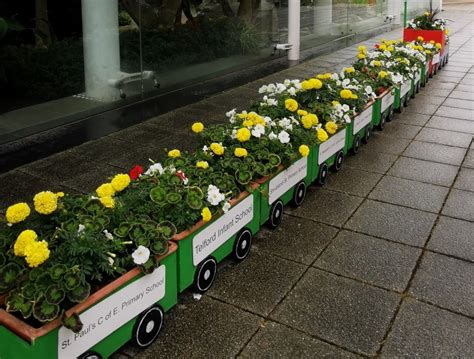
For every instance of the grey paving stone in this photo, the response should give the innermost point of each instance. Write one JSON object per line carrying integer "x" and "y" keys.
{"x": 423, "y": 331}
{"x": 386, "y": 144}
{"x": 466, "y": 88}
{"x": 455, "y": 112}
{"x": 469, "y": 160}
{"x": 372, "y": 260}
{"x": 326, "y": 206}
{"x": 371, "y": 161}
{"x": 144, "y": 133}
{"x": 274, "y": 340}
{"x": 460, "y": 204}
{"x": 443, "y": 92}
{"x": 462, "y": 95}
{"x": 399, "y": 130}
{"x": 454, "y": 237}
{"x": 445, "y": 281}
{"x": 443, "y": 137}
{"x": 426, "y": 109}
{"x": 399, "y": 224}
{"x": 449, "y": 74}
{"x": 451, "y": 124}
{"x": 410, "y": 118}
{"x": 195, "y": 329}
{"x": 453, "y": 102}
{"x": 258, "y": 283}
{"x": 339, "y": 310}
{"x": 353, "y": 181}
{"x": 435, "y": 152}
{"x": 438, "y": 85}
{"x": 298, "y": 239}
{"x": 467, "y": 82}
{"x": 426, "y": 98}
{"x": 465, "y": 180}
{"x": 405, "y": 192}
{"x": 424, "y": 171}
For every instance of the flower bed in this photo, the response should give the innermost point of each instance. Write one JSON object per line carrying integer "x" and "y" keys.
{"x": 187, "y": 213}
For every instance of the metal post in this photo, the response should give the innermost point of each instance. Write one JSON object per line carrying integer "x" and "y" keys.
{"x": 405, "y": 13}
{"x": 294, "y": 30}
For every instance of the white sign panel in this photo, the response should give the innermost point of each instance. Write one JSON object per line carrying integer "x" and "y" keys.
{"x": 405, "y": 88}
{"x": 287, "y": 179}
{"x": 214, "y": 235}
{"x": 363, "y": 119}
{"x": 110, "y": 314}
{"x": 435, "y": 59}
{"x": 417, "y": 76}
{"x": 331, "y": 146}
{"x": 387, "y": 101}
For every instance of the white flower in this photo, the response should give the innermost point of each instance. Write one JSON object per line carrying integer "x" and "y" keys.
{"x": 226, "y": 207}
{"x": 263, "y": 89}
{"x": 81, "y": 229}
{"x": 335, "y": 76}
{"x": 108, "y": 235}
{"x": 272, "y": 136}
{"x": 205, "y": 148}
{"x": 280, "y": 88}
{"x": 387, "y": 53}
{"x": 258, "y": 131}
{"x": 347, "y": 118}
{"x": 271, "y": 88}
{"x": 214, "y": 196}
{"x": 284, "y": 137}
{"x": 233, "y": 135}
{"x": 285, "y": 123}
{"x": 141, "y": 255}
{"x": 345, "y": 108}
{"x": 292, "y": 91}
{"x": 154, "y": 168}
{"x": 111, "y": 261}
{"x": 271, "y": 102}
{"x": 287, "y": 82}
{"x": 368, "y": 90}
{"x": 346, "y": 82}
{"x": 231, "y": 113}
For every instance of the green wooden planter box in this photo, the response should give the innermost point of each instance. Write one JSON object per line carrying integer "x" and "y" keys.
{"x": 131, "y": 307}
{"x": 360, "y": 129}
{"x": 383, "y": 108}
{"x": 402, "y": 94}
{"x": 206, "y": 244}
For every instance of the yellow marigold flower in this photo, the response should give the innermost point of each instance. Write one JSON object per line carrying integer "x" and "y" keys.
{"x": 446, "y": 31}
{"x": 120, "y": 182}
{"x": 242, "y": 115}
{"x": 426, "y": 13}
{"x": 349, "y": 70}
{"x": 25, "y": 238}
{"x": 107, "y": 201}
{"x": 105, "y": 190}
{"x": 291, "y": 105}
{"x": 420, "y": 38}
{"x": 331, "y": 127}
{"x": 390, "y": 48}
{"x": 240, "y": 152}
{"x": 247, "y": 123}
{"x": 17, "y": 213}
{"x": 360, "y": 56}
{"x": 383, "y": 74}
{"x": 382, "y": 47}
{"x": 206, "y": 214}
{"x": 197, "y": 127}
{"x": 335, "y": 103}
{"x": 320, "y": 76}
{"x": 377, "y": 63}
{"x": 327, "y": 76}
{"x": 217, "y": 148}
{"x": 243, "y": 134}
{"x": 321, "y": 135}
{"x": 306, "y": 85}
{"x": 362, "y": 49}
{"x": 302, "y": 112}
{"x": 304, "y": 150}
{"x": 60, "y": 194}
{"x": 313, "y": 118}
{"x": 36, "y": 253}
{"x": 316, "y": 84}
{"x": 258, "y": 120}
{"x": 428, "y": 52}
{"x": 174, "y": 153}
{"x": 306, "y": 122}
{"x": 346, "y": 94}
{"x": 438, "y": 46}
{"x": 45, "y": 202}
{"x": 432, "y": 42}
{"x": 354, "y": 96}
{"x": 202, "y": 164}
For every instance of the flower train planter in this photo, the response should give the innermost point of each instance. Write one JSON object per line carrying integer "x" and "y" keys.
{"x": 206, "y": 244}
{"x": 383, "y": 108}
{"x": 130, "y": 307}
{"x": 402, "y": 95}
{"x": 427, "y": 35}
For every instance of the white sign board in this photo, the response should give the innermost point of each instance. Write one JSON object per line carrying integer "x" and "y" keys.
{"x": 331, "y": 146}
{"x": 427, "y": 69}
{"x": 387, "y": 101}
{"x": 417, "y": 76}
{"x": 107, "y": 316}
{"x": 219, "y": 231}
{"x": 287, "y": 179}
{"x": 405, "y": 88}
{"x": 363, "y": 119}
{"x": 436, "y": 59}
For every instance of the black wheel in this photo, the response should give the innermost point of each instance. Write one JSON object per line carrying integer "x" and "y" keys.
{"x": 368, "y": 134}
{"x": 90, "y": 355}
{"x": 339, "y": 161}
{"x": 400, "y": 107}
{"x": 407, "y": 100}
{"x": 276, "y": 215}
{"x": 382, "y": 122}
{"x": 417, "y": 87}
{"x": 205, "y": 275}
{"x": 242, "y": 245}
{"x": 299, "y": 194}
{"x": 323, "y": 174}
{"x": 356, "y": 145}
{"x": 147, "y": 327}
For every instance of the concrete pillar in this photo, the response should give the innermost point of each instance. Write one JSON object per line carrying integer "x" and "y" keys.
{"x": 100, "y": 30}
{"x": 294, "y": 29}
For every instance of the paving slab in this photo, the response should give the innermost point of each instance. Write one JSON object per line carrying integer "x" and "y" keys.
{"x": 449, "y": 138}
{"x": 462, "y": 95}
{"x": 378, "y": 162}
{"x": 423, "y": 331}
{"x": 453, "y": 102}
{"x": 297, "y": 239}
{"x": 370, "y": 259}
{"x": 392, "y": 222}
{"x": 399, "y": 130}
{"x": 435, "y": 152}
{"x": 446, "y": 282}
{"x": 438, "y": 85}
{"x": 455, "y": 112}
{"x": 428, "y": 98}
{"x": 386, "y": 144}
{"x": 274, "y": 340}
{"x": 465, "y": 180}
{"x": 451, "y": 124}
{"x": 416, "y": 119}
{"x": 353, "y": 181}
{"x": 144, "y": 133}
{"x": 454, "y": 237}
{"x": 469, "y": 160}
{"x": 339, "y": 310}
{"x": 424, "y": 171}
{"x": 405, "y": 192}
{"x": 326, "y": 206}
{"x": 258, "y": 283}
{"x": 426, "y": 109}
{"x": 460, "y": 204}
{"x": 466, "y": 88}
